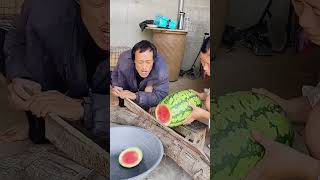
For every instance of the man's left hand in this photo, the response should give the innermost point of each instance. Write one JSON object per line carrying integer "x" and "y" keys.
{"x": 128, "y": 94}
{"x": 197, "y": 114}
{"x": 56, "y": 102}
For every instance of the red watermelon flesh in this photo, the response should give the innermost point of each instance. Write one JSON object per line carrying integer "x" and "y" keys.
{"x": 130, "y": 157}
{"x": 163, "y": 114}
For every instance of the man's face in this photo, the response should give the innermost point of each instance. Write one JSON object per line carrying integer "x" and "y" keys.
{"x": 205, "y": 62}
{"x": 95, "y": 15}
{"x": 309, "y": 17}
{"x": 143, "y": 62}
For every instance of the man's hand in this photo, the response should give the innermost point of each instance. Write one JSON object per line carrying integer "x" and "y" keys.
{"x": 18, "y": 132}
{"x": 128, "y": 94}
{"x": 269, "y": 94}
{"x": 282, "y": 162}
{"x": 56, "y": 102}
{"x": 148, "y": 89}
{"x": 197, "y": 114}
{"x": 116, "y": 91}
{"x": 21, "y": 90}
{"x": 207, "y": 103}
{"x": 202, "y": 96}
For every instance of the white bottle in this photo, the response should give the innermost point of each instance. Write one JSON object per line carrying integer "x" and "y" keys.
{"x": 187, "y": 24}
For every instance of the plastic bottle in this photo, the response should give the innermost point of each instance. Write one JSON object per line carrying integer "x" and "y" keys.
{"x": 187, "y": 24}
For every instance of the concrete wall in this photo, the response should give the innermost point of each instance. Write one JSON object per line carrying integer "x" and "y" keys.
{"x": 219, "y": 11}
{"x": 126, "y": 15}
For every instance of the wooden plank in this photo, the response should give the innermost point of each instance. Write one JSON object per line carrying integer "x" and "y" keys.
{"x": 76, "y": 145}
{"x": 43, "y": 162}
{"x": 188, "y": 157}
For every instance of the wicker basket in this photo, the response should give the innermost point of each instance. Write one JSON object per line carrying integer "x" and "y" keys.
{"x": 114, "y": 55}
{"x": 9, "y": 9}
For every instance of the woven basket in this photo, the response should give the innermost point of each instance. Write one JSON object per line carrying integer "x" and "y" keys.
{"x": 114, "y": 55}
{"x": 9, "y": 9}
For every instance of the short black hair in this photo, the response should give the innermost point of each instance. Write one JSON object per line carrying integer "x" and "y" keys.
{"x": 205, "y": 47}
{"x": 143, "y": 46}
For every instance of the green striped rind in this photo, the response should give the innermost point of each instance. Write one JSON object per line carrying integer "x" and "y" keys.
{"x": 233, "y": 116}
{"x": 178, "y": 104}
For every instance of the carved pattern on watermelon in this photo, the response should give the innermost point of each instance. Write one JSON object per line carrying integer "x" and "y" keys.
{"x": 130, "y": 157}
{"x": 175, "y": 108}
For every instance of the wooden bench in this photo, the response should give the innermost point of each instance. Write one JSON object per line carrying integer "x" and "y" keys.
{"x": 76, "y": 145}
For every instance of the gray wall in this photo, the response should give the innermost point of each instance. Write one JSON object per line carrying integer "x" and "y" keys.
{"x": 126, "y": 15}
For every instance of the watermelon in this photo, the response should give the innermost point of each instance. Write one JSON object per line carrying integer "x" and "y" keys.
{"x": 175, "y": 108}
{"x": 130, "y": 157}
{"x": 234, "y": 115}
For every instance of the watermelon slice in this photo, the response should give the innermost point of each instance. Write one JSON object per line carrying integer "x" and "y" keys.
{"x": 130, "y": 157}
{"x": 163, "y": 114}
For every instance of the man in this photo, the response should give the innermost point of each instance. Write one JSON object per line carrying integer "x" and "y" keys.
{"x": 200, "y": 114}
{"x": 280, "y": 161}
{"x": 56, "y": 63}
{"x": 141, "y": 75}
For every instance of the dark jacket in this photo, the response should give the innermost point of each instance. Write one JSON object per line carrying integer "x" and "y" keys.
{"x": 50, "y": 45}
{"x": 125, "y": 76}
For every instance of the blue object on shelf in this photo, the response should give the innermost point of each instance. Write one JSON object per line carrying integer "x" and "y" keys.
{"x": 165, "y": 22}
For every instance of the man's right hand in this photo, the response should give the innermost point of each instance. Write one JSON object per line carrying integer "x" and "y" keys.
{"x": 116, "y": 91}
{"x": 20, "y": 90}
{"x": 148, "y": 89}
{"x": 282, "y": 162}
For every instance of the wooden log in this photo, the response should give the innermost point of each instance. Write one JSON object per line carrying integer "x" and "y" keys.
{"x": 43, "y": 162}
{"x": 76, "y": 145}
{"x": 188, "y": 157}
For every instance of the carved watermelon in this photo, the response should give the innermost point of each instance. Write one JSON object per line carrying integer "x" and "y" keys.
{"x": 234, "y": 153}
{"x": 175, "y": 108}
{"x": 130, "y": 157}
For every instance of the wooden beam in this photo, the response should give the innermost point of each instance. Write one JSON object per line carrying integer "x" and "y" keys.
{"x": 77, "y": 146}
{"x": 43, "y": 162}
